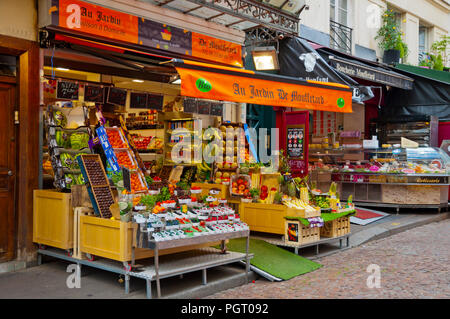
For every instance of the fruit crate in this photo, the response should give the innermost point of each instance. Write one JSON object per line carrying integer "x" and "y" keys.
{"x": 336, "y": 228}
{"x": 298, "y": 234}
{"x": 295, "y": 212}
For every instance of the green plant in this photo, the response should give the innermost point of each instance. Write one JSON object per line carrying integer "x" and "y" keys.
{"x": 254, "y": 192}
{"x": 284, "y": 167}
{"x": 440, "y": 48}
{"x": 277, "y": 198}
{"x": 390, "y": 35}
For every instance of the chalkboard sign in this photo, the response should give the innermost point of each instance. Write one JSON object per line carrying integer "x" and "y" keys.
{"x": 126, "y": 178}
{"x": 138, "y": 100}
{"x": 295, "y": 141}
{"x": 204, "y": 107}
{"x": 155, "y": 101}
{"x": 67, "y": 90}
{"x": 190, "y": 105}
{"x": 94, "y": 93}
{"x": 216, "y": 109}
{"x": 117, "y": 96}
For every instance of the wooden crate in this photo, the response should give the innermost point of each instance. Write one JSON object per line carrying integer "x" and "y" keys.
{"x": 77, "y": 213}
{"x": 207, "y": 187}
{"x": 52, "y": 219}
{"x": 80, "y": 196}
{"x": 336, "y": 228}
{"x": 114, "y": 239}
{"x": 267, "y": 218}
{"x": 298, "y": 234}
{"x": 293, "y": 212}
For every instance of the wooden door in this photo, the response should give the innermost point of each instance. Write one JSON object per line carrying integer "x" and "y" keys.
{"x": 7, "y": 171}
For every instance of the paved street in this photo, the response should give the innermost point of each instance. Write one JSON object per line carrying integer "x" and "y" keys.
{"x": 413, "y": 264}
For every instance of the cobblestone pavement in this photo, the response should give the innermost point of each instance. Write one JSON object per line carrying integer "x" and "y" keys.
{"x": 413, "y": 264}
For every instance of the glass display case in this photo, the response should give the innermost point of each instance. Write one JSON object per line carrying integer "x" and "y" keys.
{"x": 397, "y": 177}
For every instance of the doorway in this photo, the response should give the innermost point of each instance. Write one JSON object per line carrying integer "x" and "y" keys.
{"x": 7, "y": 168}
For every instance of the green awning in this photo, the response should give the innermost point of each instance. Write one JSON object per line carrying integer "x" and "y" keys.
{"x": 441, "y": 76}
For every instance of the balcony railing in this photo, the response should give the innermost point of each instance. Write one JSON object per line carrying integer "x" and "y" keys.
{"x": 340, "y": 37}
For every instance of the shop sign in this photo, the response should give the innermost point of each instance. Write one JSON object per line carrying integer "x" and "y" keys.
{"x": 242, "y": 89}
{"x": 100, "y": 21}
{"x": 370, "y": 74}
{"x": 428, "y": 179}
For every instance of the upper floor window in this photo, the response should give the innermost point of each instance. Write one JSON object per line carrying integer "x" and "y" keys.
{"x": 423, "y": 41}
{"x": 340, "y": 33}
{"x": 339, "y": 11}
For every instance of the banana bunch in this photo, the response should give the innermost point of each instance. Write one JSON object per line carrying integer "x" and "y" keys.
{"x": 298, "y": 204}
{"x": 203, "y": 171}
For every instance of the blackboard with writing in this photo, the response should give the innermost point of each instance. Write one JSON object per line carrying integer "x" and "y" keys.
{"x": 94, "y": 93}
{"x": 117, "y": 96}
{"x": 155, "y": 101}
{"x": 204, "y": 107}
{"x": 190, "y": 105}
{"x": 138, "y": 100}
{"x": 67, "y": 90}
{"x": 216, "y": 109}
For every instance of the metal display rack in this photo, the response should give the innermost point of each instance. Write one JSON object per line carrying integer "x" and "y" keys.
{"x": 172, "y": 265}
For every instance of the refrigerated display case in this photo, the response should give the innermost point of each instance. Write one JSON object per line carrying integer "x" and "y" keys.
{"x": 398, "y": 178}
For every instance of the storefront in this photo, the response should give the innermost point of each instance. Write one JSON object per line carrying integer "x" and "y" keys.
{"x": 130, "y": 116}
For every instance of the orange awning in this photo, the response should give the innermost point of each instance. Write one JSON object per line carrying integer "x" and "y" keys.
{"x": 208, "y": 81}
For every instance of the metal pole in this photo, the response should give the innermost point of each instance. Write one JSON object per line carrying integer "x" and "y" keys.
{"x": 149, "y": 288}
{"x": 204, "y": 280}
{"x": 247, "y": 259}
{"x": 158, "y": 288}
{"x": 127, "y": 283}
{"x": 39, "y": 259}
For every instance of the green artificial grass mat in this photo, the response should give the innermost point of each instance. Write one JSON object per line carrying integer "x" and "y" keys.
{"x": 274, "y": 260}
{"x": 327, "y": 217}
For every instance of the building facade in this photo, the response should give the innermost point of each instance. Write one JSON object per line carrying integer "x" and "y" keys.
{"x": 351, "y": 25}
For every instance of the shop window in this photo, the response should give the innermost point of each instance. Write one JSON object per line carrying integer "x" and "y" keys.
{"x": 7, "y": 65}
{"x": 423, "y": 42}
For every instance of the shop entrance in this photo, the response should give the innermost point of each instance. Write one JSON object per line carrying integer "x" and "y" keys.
{"x": 7, "y": 167}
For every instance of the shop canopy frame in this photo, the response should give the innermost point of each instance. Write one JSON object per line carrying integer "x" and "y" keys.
{"x": 228, "y": 84}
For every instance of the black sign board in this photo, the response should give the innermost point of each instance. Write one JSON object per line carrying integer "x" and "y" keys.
{"x": 430, "y": 179}
{"x": 190, "y": 105}
{"x": 94, "y": 93}
{"x": 155, "y": 101}
{"x": 126, "y": 178}
{"x": 117, "y": 96}
{"x": 204, "y": 107}
{"x": 216, "y": 109}
{"x": 295, "y": 141}
{"x": 67, "y": 90}
{"x": 138, "y": 100}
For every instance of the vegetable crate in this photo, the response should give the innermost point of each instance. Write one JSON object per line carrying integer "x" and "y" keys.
{"x": 299, "y": 234}
{"x": 52, "y": 219}
{"x": 336, "y": 228}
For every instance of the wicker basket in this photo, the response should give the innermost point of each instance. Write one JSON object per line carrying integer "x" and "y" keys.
{"x": 336, "y": 228}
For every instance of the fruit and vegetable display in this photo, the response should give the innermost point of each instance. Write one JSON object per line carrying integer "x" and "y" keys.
{"x": 240, "y": 185}
{"x": 116, "y": 138}
{"x": 65, "y": 144}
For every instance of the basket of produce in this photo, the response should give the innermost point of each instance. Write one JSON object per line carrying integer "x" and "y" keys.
{"x": 240, "y": 185}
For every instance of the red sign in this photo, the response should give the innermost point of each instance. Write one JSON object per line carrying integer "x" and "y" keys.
{"x": 97, "y": 20}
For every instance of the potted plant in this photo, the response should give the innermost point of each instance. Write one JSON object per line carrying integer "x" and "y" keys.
{"x": 390, "y": 37}
{"x": 437, "y": 60}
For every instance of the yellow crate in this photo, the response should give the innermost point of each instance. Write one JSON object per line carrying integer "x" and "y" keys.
{"x": 336, "y": 228}
{"x": 52, "y": 219}
{"x": 298, "y": 234}
{"x": 267, "y": 218}
{"x": 114, "y": 239}
{"x": 207, "y": 187}
{"x": 293, "y": 212}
